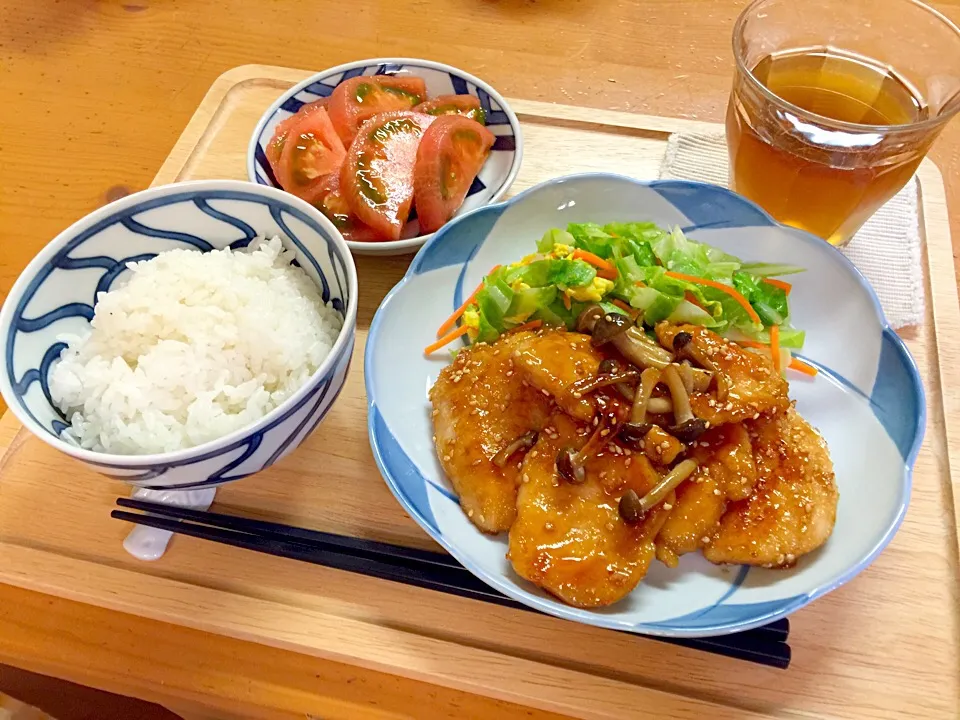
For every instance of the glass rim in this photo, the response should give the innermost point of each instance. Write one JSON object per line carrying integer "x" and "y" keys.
{"x": 823, "y": 119}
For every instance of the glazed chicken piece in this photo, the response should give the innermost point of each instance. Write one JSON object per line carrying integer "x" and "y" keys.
{"x": 552, "y": 361}
{"x": 794, "y": 507}
{"x": 726, "y": 472}
{"x": 747, "y": 382}
{"x": 480, "y": 408}
{"x": 569, "y": 539}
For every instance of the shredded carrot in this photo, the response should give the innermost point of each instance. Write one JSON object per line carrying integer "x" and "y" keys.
{"x": 446, "y": 340}
{"x": 452, "y": 320}
{"x": 775, "y": 346}
{"x": 532, "y": 325}
{"x": 566, "y": 301}
{"x": 622, "y": 305}
{"x": 801, "y": 366}
{"x": 752, "y": 344}
{"x": 605, "y": 268}
{"x": 640, "y": 283}
{"x": 785, "y": 286}
{"x": 692, "y": 299}
{"x": 719, "y": 286}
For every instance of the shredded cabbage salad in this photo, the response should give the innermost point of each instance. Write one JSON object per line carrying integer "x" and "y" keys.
{"x": 639, "y": 269}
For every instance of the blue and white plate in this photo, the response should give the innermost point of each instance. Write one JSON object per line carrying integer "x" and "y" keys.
{"x": 495, "y": 177}
{"x": 867, "y": 401}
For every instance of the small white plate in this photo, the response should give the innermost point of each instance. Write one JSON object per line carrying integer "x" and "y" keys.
{"x": 867, "y": 401}
{"x": 495, "y": 177}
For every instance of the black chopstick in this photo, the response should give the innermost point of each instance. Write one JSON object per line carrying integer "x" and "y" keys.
{"x": 463, "y": 584}
{"x": 434, "y": 571}
{"x": 289, "y": 532}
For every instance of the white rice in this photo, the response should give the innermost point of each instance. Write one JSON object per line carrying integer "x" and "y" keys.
{"x": 192, "y": 347}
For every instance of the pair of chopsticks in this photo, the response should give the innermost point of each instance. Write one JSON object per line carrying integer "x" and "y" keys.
{"x": 434, "y": 571}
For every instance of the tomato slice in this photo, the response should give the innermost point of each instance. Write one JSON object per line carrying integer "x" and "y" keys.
{"x": 358, "y": 99}
{"x": 451, "y": 153}
{"x": 330, "y": 202}
{"x": 275, "y": 146}
{"x": 377, "y": 176}
{"x": 466, "y": 105}
{"x": 311, "y": 151}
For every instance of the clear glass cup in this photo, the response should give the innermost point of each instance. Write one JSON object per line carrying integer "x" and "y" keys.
{"x": 834, "y": 105}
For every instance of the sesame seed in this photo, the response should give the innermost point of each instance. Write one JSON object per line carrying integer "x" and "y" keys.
{"x": 446, "y": 458}
{"x": 627, "y": 463}
{"x": 469, "y": 513}
{"x": 596, "y": 421}
{"x": 705, "y": 540}
{"x": 604, "y": 432}
{"x": 519, "y": 465}
{"x": 545, "y": 392}
{"x": 716, "y": 491}
{"x": 577, "y": 395}
{"x": 667, "y": 506}
{"x": 548, "y": 526}
{"x": 526, "y": 478}
{"x": 790, "y": 557}
{"x": 609, "y": 526}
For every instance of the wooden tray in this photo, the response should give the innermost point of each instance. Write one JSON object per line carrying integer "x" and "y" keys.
{"x": 883, "y": 646}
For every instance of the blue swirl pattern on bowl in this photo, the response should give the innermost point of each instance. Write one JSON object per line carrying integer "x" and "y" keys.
{"x": 58, "y": 291}
{"x": 867, "y": 401}
{"x": 494, "y": 178}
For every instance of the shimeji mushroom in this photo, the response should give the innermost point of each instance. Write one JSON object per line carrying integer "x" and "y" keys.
{"x": 686, "y": 349}
{"x": 636, "y": 428}
{"x": 686, "y": 428}
{"x": 634, "y": 508}
{"x": 571, "y": 463}
{"x": 524, "y": 442}
{"x": 626, "y": 337}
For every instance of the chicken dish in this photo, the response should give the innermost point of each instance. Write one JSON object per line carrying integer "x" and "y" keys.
{"x": 607, "y": 445}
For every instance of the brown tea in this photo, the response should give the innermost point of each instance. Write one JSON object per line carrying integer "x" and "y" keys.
{"x": 821, "y": 176}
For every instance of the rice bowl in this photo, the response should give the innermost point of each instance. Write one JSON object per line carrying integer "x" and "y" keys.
{"x": 192, "y": 347}
{"x": 57, "y": 295}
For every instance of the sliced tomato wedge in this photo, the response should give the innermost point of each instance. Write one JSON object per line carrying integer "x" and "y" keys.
{"x": 358, "y": 99}
{"x": 466, "y": 105}
{"x": 377, "y": 176}
{"x": 330, "y": 202}
{"x": 311, "y": 151}
{"x": 451, "y": 153}
{"x": 275, "y": 146}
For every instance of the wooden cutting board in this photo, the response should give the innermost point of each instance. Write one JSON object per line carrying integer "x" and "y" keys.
{"x": 883, "y": 646}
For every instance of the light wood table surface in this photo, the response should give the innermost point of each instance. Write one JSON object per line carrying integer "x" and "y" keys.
{"x": 94, "y": 93}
